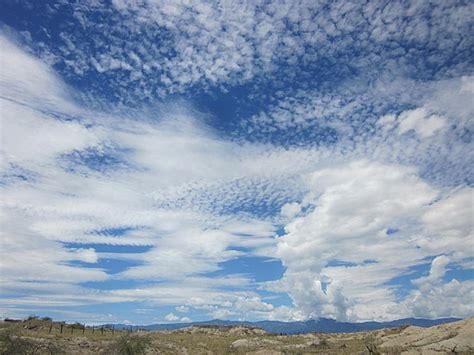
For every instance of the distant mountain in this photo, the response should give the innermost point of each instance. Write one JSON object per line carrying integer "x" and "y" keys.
{"x": 321, "y": 325}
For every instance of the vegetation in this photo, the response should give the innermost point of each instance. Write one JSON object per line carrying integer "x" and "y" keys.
{"x": 44, "y": 336}
{"x": 130, "y": 345}
{"x": 13, "y": 344}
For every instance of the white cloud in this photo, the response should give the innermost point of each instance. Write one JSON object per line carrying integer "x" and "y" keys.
{"x": 86, "y": 255}
{"x": 29, "y": 138}
{"x": 448, "y": 224}
{"x": 290, "y": 210}
{"x": 434, "y": 278}
{"x": 421, "y": 122}
{"x": 467, "y": 84}
{"x": 189, "y": 195}
{"x": 355, "y": 204}
{"x": 223, "y": 313}
{"x": 182, "y": 309}
{"x": 163, "y": 158}
{"x": 26, "y": 80}
{"x": 171, "y": 317}
{"x": 445, "y": 300}
{"x": 286, "y": 314}
{"x": 171, "y": 46}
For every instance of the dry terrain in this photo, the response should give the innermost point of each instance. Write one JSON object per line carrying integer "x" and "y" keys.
{"x": 36, "y": 336}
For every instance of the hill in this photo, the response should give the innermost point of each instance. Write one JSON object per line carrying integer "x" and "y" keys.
{"x": 36, "y": 336}
{"x": 321, "y": 325}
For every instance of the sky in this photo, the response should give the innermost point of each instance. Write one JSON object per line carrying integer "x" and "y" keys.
{"x": 178, "y": 161}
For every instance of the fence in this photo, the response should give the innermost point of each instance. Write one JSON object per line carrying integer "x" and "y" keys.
{"x": 64, "y": 328}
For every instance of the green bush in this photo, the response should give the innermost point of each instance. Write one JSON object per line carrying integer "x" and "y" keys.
{"x": 13, "y": 344}
{"x": 130, "y": 345}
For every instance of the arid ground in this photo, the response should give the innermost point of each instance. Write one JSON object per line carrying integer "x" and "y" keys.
{"x": 37, "y": 336}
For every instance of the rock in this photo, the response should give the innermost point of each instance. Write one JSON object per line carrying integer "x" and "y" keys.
{"x": 445, "y": 338}
{"x": 313, "y": 343}
{"x": 240, "y": 343}
{"x": 253, "y": 342}
{"x": 242, "y": 331}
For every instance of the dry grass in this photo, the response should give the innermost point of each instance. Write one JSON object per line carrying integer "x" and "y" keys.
{"x": 37, "y": 336}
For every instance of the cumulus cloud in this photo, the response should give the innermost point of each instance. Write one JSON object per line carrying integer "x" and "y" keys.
{"x": 355, "y": 205}
{"x": 290, "y": 210}
{"x": 444, "y": 300}
{"x": 171, "y": 317}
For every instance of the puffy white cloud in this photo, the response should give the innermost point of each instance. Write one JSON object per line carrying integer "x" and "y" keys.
{"x": 246, "y": 307}
{"x": 312, "y": 297}
{"x": 354, "y": 206}
{"x": 290, "y": 210}
{"x": 448, "y": 224}
{"x": 286, "y": 314}
{"x": 182, "y": 309}
{"x": 443, "y": 300}
{"x": 434, "y": 278}
{"x": 171, "y": 317}
{"x": 438, "y": 266}
{"x": 355, "y": 203}
{"x": 223, "y": 313}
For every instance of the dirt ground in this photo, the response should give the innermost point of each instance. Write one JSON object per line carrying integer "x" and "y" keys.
{"x": 37, "y": 336}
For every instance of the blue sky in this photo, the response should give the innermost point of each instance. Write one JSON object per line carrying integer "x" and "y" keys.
{"x": 188, "y": 160}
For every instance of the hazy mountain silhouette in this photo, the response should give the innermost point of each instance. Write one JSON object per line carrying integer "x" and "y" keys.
{"x": 321, "y": 325}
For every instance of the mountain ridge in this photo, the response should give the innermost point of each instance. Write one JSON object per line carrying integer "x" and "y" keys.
{"x": 321, "y": 325}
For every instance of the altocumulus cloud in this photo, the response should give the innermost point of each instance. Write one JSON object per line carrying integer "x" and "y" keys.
{"x": 274, "y": 160}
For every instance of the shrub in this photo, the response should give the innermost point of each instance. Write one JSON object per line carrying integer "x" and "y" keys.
{"x": 372, "y": 348}
{"x": 130, "y": 345}
{"x": 13, "y": 344}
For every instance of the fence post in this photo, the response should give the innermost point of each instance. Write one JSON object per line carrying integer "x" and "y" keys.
{"x": 62, "y": 328}
{"x": 113, "y": 329}
{"x": 83, "y": 328}
{"x": 93, "y": 329}
{"x": 72, "y": 328}
{"x": 102, "y": 329}
{"x": 50, "y": 328}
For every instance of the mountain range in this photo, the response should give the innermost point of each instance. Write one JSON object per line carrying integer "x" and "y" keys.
{"x": 321, "y": 325}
